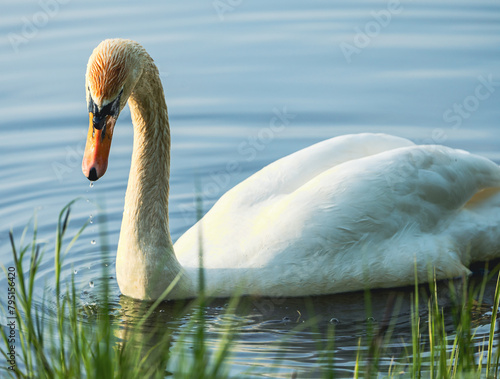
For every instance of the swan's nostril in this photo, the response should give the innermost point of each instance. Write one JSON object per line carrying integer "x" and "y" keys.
{"x": 93, "y": 174}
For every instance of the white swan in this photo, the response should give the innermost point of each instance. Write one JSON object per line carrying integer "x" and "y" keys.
{"x": 345, "y": 214}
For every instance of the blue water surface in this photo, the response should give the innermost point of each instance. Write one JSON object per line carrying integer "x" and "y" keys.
{"x": 425, "y": 70}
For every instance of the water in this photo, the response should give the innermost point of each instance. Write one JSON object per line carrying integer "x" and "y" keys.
{"x": 323, "y": 69}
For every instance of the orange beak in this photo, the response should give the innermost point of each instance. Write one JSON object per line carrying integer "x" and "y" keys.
{"x": 95, "y": 158}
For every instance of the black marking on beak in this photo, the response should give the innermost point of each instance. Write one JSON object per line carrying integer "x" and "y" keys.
{"x": 99, "y": 115}
{"x": 99, "y": 122}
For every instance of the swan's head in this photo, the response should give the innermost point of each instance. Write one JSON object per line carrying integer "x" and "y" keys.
{"x": 113, "y": 70}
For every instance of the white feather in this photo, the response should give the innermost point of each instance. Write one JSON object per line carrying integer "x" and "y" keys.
{"x": 352, "y": 212}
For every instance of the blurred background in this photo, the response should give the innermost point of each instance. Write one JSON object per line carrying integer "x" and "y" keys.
{"x": 246, "y": 83}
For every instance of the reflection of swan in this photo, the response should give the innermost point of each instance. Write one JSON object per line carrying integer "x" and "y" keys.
{"x": 347, "y": 213}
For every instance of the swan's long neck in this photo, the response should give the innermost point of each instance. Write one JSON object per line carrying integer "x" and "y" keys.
{"x": 147, "y": 191}
{"x": 146, "y": 263}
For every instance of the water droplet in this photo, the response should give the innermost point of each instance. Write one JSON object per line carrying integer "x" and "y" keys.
{"x": 91, "y": 184}
{"x": 370, "y": 319}
{"x": 162, "y": 310}
{"x": 76, "y": 272}
{"x": 334, "y": 320}
{"x": 285, "y": 319}
{"x": 91, "y": 218}
{"x": 92, "y": 242}
{"x": 105, "y": 264}
{"x": 91, "y": 284}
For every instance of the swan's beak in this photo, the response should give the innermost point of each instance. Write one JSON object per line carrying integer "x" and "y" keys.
{"x": 95, "y": 158}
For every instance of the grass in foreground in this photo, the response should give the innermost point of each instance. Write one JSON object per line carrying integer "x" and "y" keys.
{"x": 72, "y": 347}
{"x": 69, "y": 346}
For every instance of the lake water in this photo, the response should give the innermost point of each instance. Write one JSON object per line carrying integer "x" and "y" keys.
{"x": 425, "y": 70}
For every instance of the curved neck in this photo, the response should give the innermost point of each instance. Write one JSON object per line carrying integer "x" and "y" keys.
{"x": 148, "y": 185}
{"x": 146, "y": 263}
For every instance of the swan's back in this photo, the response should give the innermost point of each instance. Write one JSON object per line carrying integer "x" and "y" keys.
{"x": 287, "y": 174}
{"x": 349, "y": 212}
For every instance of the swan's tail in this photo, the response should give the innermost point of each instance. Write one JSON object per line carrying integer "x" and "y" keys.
{"x": 478, "y": 227}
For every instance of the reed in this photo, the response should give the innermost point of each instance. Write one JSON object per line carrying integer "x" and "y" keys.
{"x": 79, "y": 343}
{"x": 72, "y": 342}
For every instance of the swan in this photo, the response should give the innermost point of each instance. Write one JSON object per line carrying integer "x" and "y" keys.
{"x": 349, "y": 213}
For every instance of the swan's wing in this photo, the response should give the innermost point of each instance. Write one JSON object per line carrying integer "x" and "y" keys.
{"x": 238, "y": 206}
{"x": 366, "y": 222}
{"x": 363, "y": 222}
{"x": 420, "y": 187}
{"x": 417, "y": 187}
{"x": 287, "y": 174}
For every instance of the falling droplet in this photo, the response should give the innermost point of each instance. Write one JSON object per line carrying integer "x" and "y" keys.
{"x": 92, "y": 242}
{"x": 76, "y": 272}
{"x": 91, "y": 184}
{"x": 91, "y": 284}
{"x": 91, "y": 219}
{"x": 334, "y": 320}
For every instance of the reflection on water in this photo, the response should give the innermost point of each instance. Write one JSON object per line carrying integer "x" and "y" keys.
{"x": 227, "y": 74}
{"x": 278, "y": 336}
